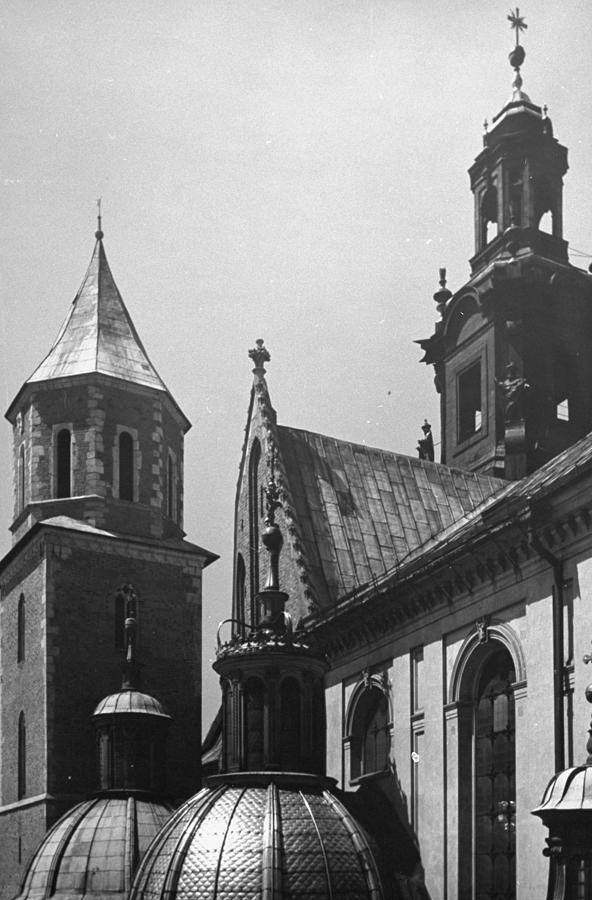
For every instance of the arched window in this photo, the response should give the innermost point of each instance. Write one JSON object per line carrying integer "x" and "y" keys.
{"x": 370, "y": 738}
{"x": 21, "y": 478}
{"x": 240, "y": 588}
{"x": 254, "y": 723}
{"x": 126, "y": 466}
{"x": 64, "y": 463}
{"x": 487, "y": 790}
{"x": 20, "y": 628}
{"x": 22, "y": 757}
{"x": 290, "y": 755}
{"x": 254, "y": 516}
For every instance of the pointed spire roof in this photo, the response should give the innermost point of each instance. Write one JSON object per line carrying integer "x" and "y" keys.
{"x": 98, "y": 334}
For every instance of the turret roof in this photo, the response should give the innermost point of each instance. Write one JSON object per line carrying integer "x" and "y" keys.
{"x": 98, "y": 334}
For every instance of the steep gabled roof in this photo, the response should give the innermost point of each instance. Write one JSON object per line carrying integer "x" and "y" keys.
{"x": 98, "y": 334}
{"x": 361, "y": 511}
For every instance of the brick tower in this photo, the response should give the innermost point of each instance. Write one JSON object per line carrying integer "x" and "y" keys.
{"x": 98, "y": 504}
{"x": 512, "y": 352}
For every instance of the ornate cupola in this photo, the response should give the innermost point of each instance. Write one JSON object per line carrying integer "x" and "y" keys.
{"x": 272, "y": 680}
{"x": 566, "y": 810}
{"x": 97, "y": 435}
{"x": 93, "y": 851}
{"x": 270, "y": 825}
{"x": 131, "y": 727}
{"x": 512, "y": 351}
{"x": 517, "y": 179}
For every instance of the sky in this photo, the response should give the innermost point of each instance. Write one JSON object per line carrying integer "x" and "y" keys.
{"x": 295, "y": 171}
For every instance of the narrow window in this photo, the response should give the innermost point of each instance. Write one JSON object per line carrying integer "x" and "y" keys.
{"x": 469, "y": 402}
{"x": 290, "y": 726}
{"x": 170, "y": 502}
{"x": 64, "y": 464}
{"x": 416, "y": 680}
{"x": 20, "y": 641}
{"x": 515, "y": 196}
{"x": 126, "y": 466}
{"x": 21, "y": 478}
{"x": 254, "y": 723}
{"x": 370, "y": 734}
{"x": 22, "y": 757}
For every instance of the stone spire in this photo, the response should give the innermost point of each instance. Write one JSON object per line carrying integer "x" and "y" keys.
{"x": 98, "y": 334}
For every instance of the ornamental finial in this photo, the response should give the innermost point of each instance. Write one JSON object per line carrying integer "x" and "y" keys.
{"x": 272, "y": 494}
{"x": 130, "y": 666}
{"x": 259, "y": 355}
{"x": 517, "y": 54}
{"x": 99, "y": 231}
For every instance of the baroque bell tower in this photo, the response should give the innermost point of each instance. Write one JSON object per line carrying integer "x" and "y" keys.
{"x": 512, "y": 351}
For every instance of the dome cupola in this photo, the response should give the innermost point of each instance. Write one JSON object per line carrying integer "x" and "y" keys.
{"x": 93, "y": 851}
{"x": 271, "y": 824}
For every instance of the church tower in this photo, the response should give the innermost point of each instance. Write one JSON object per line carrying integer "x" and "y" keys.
{"x": 98, "y": 504}
{"x": 513, "y": 350}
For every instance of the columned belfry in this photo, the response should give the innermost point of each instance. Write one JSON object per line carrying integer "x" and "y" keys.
{"x": 512, "y": 351}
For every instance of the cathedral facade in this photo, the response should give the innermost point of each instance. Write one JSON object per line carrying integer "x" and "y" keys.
{"x": 452, "y": 598}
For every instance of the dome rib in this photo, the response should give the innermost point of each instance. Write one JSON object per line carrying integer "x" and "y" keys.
{"x": 272, "y": 847}
{"x": 131, "y": 841}
{"x": 226, "y": 830}
{"x": 365, "y": 855}
{"x": 71, "y": 823}
{"x": 189, "y": 810}
{"x": 321, "y": 843}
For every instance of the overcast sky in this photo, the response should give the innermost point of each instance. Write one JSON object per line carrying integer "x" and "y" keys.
{"x": 287, "y": 169}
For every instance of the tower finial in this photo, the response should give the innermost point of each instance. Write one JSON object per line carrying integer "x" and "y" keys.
{"x": 259, "y": 355}
{"x": 130, "y": 667}
{"x": 99, "y": 231}
{"x": 517, "y": 54}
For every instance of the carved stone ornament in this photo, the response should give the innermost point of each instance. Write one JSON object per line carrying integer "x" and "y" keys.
{"x": 482, "y": 630}
{"x": 260, "y": 355}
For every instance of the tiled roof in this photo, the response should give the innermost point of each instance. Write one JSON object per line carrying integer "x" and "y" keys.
{"x": 98, "y": 334}
{"x": 497, "y": 508}
{"x": 361, "y": 510}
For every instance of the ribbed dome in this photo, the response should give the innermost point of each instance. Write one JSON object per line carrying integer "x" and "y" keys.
{"x": 568, "y": 790}
{"x": 130, "y": 701}
{"x": 94, "y": 849}
{"x": 260, "y": 835}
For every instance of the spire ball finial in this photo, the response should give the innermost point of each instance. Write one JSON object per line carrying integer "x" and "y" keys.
{"x": 260, "y": 355}
{"x": 99, "y": 232}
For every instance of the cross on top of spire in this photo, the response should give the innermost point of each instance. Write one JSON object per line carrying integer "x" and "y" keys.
{"x": 517, "y": 23}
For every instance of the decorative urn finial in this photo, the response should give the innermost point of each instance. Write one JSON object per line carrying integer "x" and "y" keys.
{"x": 272, "y": 537}
{"x": 260, "y": 355}
{"x": 442, "y": 296}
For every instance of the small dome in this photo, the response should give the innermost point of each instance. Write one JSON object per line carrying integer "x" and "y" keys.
{"x": 94, "y": 849}
{"x": 260, "y": 834}
{"x": 567, "y": 791}
{"x": 130, "y": 701}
